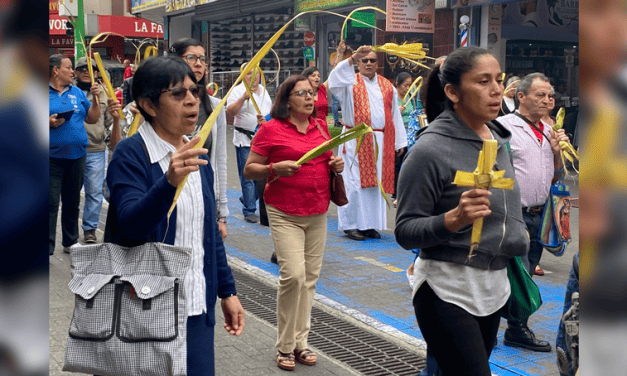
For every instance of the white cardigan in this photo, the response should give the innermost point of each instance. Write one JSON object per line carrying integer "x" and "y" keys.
{"x": 218, "y": 159}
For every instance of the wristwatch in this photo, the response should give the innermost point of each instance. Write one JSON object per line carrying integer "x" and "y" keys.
{"x": 223, "y": 220}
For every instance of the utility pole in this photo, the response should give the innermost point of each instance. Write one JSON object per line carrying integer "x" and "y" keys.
{"x": 79, "y": 32}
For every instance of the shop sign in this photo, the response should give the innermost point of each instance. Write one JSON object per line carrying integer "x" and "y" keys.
{"x": 57, "y": 25}
{"x": 138, "y": 6}
{"x": 173, "y": 5}
{"x": 301, "y": 25}
{"x": 310, "y": 38}
{"x": 67, "y": 52}
{"x": 53, "y": 7}
{"x": 61, "y": 41}
{"x": 305, "y": 5}
{"x": 309, "y": 53}
{"x": 494, "y": 25}
{"x": 414, "y": 16}
{"x": 130, "y": 26}
{"x": 569, "y": 56}
{"x": 472, "y": 3}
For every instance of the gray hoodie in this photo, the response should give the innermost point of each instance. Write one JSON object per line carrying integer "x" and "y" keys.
{"x": 426, "y": 191}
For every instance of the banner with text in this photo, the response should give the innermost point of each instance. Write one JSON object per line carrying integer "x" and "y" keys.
{"x": 138, "y": 6}
{"x": 410, "y": 16}
{"x": 305, "y": 5}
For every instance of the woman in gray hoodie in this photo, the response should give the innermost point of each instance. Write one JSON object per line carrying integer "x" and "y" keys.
{"x": 457, "y": 299}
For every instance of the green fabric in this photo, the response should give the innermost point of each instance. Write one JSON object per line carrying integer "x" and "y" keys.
{"x": 408, "y": 110}
{"x": 525, "y": 297}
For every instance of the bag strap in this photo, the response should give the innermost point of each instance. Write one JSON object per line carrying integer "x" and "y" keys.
{"x": 532, "y": 124}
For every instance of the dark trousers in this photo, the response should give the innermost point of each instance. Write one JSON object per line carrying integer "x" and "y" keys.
{"x": 263, "y": 214}
{"x": 66, "y": 180}
{"x": 200, "y": 355}
{"x": 398, "y": 161}
{"x": 533, "y": 222}
{"x": 460, "y": 342}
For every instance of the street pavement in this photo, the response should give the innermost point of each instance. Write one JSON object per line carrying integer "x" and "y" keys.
{"x": 363, "y": 282}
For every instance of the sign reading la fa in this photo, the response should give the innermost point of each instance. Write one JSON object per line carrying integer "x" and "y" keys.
{"x": 141, "y": 27}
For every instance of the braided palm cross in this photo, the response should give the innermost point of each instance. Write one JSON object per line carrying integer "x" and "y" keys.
{"x": 483, "y": 177}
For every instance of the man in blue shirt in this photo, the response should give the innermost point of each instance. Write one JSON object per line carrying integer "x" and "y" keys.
{"x": 68, "y": 141}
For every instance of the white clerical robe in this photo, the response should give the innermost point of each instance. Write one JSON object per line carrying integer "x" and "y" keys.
{"x": 366, "y": 208}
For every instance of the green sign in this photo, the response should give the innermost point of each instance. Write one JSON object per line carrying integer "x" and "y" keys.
{"x": 305, "y": 5}
{"x": 309, "y": 53}
{"x": 369, "y": 19}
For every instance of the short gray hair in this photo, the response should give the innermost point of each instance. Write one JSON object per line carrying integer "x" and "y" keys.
{"x": 525, "y": 83}
{"x": 512, "y": 80}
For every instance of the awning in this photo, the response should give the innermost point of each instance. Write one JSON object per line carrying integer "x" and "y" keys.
{"x": 130, "y": 26}
{"x": 221, "y": 10}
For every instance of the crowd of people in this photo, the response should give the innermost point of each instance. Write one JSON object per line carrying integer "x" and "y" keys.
{"x": 458, "y": 301}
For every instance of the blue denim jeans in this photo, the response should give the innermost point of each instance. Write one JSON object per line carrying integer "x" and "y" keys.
{"x": 94, "y": 178}
{"x": 249, "y": 189}
{"x": 334, "y": 108}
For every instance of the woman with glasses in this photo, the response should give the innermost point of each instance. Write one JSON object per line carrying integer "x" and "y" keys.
{"x": 194, "y": 54}
{"x": 143, "y": 175}
{"x": 297, "y": 199}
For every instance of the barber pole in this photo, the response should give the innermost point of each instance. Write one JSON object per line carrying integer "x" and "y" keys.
{"x": 464, "y": 38}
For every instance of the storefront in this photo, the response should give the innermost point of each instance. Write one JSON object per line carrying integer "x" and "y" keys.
{"x": 533, "y": 36}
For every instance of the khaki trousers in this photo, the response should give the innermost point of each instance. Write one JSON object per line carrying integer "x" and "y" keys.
{"x": 299, "y": 244}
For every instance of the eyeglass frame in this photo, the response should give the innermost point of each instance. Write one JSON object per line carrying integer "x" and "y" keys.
{"x": 179, "y": 91}
{"x": 302, "y": 93}
{"x": 202, "y": 58}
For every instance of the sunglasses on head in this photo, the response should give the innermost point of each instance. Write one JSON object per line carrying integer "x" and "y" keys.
{"x": 179, "y": 93}
{"x": 366, "y": 61}
{"x": 303, "y": 92}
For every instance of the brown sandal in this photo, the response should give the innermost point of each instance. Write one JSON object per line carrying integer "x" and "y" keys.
{"x": 304, "y": 356}
{"x": 285, "y": 361}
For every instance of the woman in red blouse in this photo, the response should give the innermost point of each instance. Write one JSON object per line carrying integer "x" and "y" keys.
{"x": 297, "y": 200}
{"x": 320, "y": 93}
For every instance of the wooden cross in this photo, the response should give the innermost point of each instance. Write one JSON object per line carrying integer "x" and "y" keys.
{"x": 483, "y": 177}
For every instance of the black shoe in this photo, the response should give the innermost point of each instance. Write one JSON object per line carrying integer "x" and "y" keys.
{"x": 522, "y": 336}
{"x": 89, "y": 236}
{"x": 354, "y": 234}
{"x": 338, "y": 124}
{"x": 273, "y": 258}
{"x": 371, "y": 234}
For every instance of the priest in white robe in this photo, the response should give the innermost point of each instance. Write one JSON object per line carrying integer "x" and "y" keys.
{"x": 369, "y": 98}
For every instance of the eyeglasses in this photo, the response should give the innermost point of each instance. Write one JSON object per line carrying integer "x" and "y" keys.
{"x": 366, "y": 61}
{"x": 179, "y": 93}
{"x": 303, "y": 93}
{"x": 191, "y": 58}
{"x": 81, "y": 69}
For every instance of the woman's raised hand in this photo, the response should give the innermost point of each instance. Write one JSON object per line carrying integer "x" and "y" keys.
{"x": 184, "y": 161}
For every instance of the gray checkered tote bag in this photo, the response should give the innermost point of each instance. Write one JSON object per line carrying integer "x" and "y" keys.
{"x": 129, "y": 314}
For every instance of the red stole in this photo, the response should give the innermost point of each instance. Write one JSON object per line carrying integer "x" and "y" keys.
{"x": 367, "y": 160}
